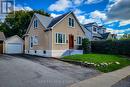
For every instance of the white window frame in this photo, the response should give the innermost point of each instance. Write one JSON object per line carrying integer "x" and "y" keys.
{"x": 71, "y": 22}
{"x": 56, "y": 38}
{"x": 35, "y": 24}
{"x": 31, "y": 42}
{"x": 77, "y": 40}
{"x": 94, "y": 31}
{"x": 35, "y": 40}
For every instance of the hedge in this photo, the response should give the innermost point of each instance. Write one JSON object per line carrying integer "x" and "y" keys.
{"x": 111, "y": 47}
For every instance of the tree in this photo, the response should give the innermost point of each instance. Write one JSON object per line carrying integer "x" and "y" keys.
{"x": 125, "y": 37}
{"x": 18, "y": 24}
{"x": 86, "y": 46}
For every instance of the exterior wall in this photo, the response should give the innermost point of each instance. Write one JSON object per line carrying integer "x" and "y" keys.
{"x": 47, "y": 46}
{"x": 44, "y": 39}
{"x": 63, "y": 27}
{"x": 61, "y": 53}
{"x": 88, "y": 34}
{"x": 39, "y": 52}
{"x": 109, "y": 37}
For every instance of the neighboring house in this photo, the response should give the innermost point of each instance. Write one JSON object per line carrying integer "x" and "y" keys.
{"x": 13, "y": 45}
{"x": 97, "y": 33}
{"x": 2, "y": 38}
{"x": 54, "y": 37}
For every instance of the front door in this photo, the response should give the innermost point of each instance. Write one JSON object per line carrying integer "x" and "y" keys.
{"x": 71, "y": 41}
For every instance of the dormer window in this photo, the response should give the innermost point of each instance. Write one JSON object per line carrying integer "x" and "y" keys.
{"x": 71, "y": 22}
{"x": 35, "y": 23}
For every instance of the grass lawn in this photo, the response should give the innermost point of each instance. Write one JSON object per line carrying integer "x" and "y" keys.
{"x": 102, "y": 62}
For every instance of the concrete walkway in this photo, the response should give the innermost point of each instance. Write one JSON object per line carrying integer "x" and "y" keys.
{"x": 104, "y": 80}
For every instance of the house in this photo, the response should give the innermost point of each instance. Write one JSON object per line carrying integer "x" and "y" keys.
{"x": 13, "y": 45}
{"x": 94, "y": 32}
{"x": 2, "y": 38}
{"x": 54, "y": 37}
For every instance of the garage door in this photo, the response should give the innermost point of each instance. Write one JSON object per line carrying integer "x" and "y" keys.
{"x": 14, "y": 48}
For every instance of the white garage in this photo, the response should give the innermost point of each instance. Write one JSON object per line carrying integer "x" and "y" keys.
{"x": 13, "y": 45}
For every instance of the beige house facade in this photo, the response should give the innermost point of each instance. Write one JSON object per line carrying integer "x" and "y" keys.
{"x": 54, "y": 37}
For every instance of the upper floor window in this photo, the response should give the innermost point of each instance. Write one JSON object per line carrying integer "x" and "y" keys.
{"x": 79, "y": 40}
{"x": 94, "y": 29}
{"x": 71, "y": 22}
{"x": 35, "y": 23}
{"x": 60, "y": 38}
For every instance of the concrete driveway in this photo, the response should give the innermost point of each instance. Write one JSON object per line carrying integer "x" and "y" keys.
{"x": 32, "y": 71}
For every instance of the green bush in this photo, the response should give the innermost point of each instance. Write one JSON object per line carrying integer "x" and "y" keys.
{"x": 111, "y": 47}
{"x": 86, "y": 45}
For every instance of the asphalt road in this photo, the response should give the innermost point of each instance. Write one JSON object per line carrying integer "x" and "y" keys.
{"x": 16, "y": 71}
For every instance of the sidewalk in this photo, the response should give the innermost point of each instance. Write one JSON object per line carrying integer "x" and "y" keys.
{"x": 104, "y": 80}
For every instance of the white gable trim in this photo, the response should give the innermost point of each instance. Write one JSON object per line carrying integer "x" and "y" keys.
{"x": 61, "y": 20}
{"x": 32, "y": 23}
{"x": 65, "y": 17}
{"x": 14, "y": 37}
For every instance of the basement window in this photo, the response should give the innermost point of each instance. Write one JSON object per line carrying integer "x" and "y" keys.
{"x": 28, "y": 51}
{"x": 35, "y": 51}
{"x": 44, "y": 52}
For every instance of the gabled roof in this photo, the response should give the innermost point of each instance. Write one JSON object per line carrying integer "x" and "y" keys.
{"x": 15, "y": 36}
{"x": 49, "y": 22}
{"x": 91, "y": 24}
{"x": 44, "y": 19}
{"x": 97, "y": 35}
{"x": 57, "y": 19}
{"x": 90, "y": 30}
{"x": 86, "y": 27}
{"x": 105, "y": 36}
{"x": 2, "y": 36}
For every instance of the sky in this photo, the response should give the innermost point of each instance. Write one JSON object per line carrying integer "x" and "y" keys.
{"x": 113, "y": 14}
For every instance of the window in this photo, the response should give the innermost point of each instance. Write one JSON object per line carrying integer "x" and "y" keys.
{"x": 28, "y": 51}
{"x": 94, "y": 29}
{"x": 79, "y": 40}
{"x": 31, "y": 42}
{"x": 35, "y": 23}
{"x": 71, "y": 22}
{"x": 60, "y": 38}
{"x": 44, "y": 52}
{"x": 35, "y": 40}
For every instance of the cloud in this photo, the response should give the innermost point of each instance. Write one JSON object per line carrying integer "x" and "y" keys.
{"x": 98, "y": 14}
{"x": 78, "y": 12}
{"x": 124, "y": 22}
{"x": 55, "y": 15}
{"x": 117, "y": 31}
{"x": 93, "y": 1}
{"x": 60, "y": 5}
{"x": 120, "y": 10}
{"x": 20, "y": 7}
{"x": 77, "y": 2}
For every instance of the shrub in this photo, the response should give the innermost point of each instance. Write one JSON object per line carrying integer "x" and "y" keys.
{"x": 112, "y": 47}
{"x": 86, "y": 46}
